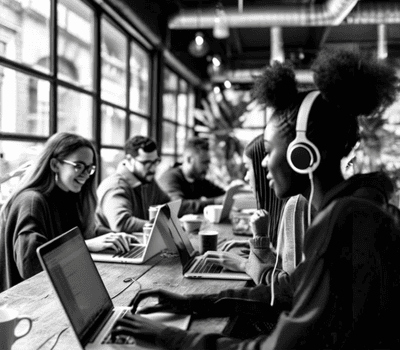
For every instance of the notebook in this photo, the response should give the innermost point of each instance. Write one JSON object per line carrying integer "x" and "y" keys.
{"x": 228, "y": 201}
{"x": 83, "y": 295}
{"x": 194, "y": 265}
{"x": 140, "y": 253}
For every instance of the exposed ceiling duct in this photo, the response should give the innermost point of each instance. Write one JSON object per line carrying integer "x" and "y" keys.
{"x": 375, "y": 13}
{"x": 332, "y": 13}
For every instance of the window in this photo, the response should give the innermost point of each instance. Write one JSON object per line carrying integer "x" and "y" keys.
{"x": 110, "y": 160}
{"x": 25, "y": 102}
{"x": 47, "y": 88}
{"x": 112, "y": 126}
{"x": 169, "y": 97}
{"x": 75, "y": 112}
{"x": 178, "y": 108}
{"x": 26, "y": 32}
{"x": 75, "y": 43}
{"x": 140, "y": 79}
{"x": 113, "y": 64}
{"x": 14, "y": 157}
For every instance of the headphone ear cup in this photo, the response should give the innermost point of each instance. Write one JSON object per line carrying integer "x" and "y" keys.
{"x": 302, "y": 156}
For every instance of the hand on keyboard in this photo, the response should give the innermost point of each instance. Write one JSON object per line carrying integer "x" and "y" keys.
{"x": 137, "y": 326}
{"x": 167, "y": 301}
{"x": 117, "y": 241}
{"x": 228, "y": 260}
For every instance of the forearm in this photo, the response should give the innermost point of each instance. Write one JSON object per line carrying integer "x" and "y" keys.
{"x": 176, "y": 339}
{"x": 261, "y": 260}
{"x": 254, "y": 300}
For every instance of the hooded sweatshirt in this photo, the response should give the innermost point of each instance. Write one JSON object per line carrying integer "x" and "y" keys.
{"x": 344, "y": 295}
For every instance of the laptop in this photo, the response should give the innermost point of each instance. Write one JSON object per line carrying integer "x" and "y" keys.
{"x": 194, "y": 265}
{"x": 83, "y": 295}
{"x": 228, "y": 201}
{"x": 139, "y": 253}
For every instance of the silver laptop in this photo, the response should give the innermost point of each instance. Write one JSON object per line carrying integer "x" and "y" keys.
{"x": 83, "y": 295}
{"x": 228, "y": 201}
{"x": 194, "y": 265}
{"x": 140, "y": 253}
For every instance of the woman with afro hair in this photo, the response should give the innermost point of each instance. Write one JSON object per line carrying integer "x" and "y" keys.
{"x": 345, "y": 292}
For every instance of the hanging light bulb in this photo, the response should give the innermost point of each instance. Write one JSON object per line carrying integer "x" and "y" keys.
{"x": 199, "y": 39}
{"x": 221, "y": 27}
{"x": 227, "y": 84}
{"x": 216, "y": 61}
{"x": 198, "y": 47}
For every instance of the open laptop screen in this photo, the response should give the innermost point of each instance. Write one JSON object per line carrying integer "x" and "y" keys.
{"x": 181, "y": 240}
{"x": 76, "y": 280}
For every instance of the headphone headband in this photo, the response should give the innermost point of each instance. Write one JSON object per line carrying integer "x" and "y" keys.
{"x": 304, "y": 111}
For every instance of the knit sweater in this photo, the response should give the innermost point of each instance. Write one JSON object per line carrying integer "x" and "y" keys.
{"x": 33, "y": 219}
{"x": 178, "y": 187}
{"x": 262, "y": 258}
{"x": 124, "y": 201}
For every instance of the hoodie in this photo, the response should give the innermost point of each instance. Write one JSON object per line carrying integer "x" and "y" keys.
{"x": 344, "y": 295}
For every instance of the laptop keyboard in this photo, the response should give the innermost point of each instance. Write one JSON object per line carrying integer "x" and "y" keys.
{"x": 135, "y": 252}
{"x": 205, "y": 266}
{"x": 119, "y": 339}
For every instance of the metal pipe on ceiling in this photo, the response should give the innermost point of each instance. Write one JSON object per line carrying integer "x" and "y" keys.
{"x": 375, "y": 13}
{"x": 333, "y": 12}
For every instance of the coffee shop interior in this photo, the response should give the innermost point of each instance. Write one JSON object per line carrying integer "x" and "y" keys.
{"x": 170, "y": 70}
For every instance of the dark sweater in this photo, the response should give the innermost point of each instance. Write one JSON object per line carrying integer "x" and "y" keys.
{"x": 344, "y": 295}
{"x": 175, "y": 184}
{"x": 34, "y": 219}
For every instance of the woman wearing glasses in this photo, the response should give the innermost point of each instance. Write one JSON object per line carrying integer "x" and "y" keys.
{"x": 57, "y": 193}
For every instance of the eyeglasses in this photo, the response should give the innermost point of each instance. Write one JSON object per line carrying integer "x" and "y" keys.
{"x": 80, "y": 167}
{"x": 149, "y": 163}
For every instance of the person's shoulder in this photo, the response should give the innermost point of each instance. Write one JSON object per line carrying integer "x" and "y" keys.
{"x": 172, "y": 171}
{"x": 347, "y": 208}
{"x": 296, "y": 202}
{"x": 171, "y": 174}
{"x": 30, "y": 195}
{"x": 29, "y": 199}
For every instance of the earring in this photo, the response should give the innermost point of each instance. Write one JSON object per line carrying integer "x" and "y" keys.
{"x": 56, "y": 177}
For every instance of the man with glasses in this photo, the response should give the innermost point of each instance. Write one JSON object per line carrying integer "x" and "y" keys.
{"x": 124, "y": 197}
{"x": 188, "y": 180}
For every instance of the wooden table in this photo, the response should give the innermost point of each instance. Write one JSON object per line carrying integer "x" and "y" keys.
{"x": 36, "y": 298}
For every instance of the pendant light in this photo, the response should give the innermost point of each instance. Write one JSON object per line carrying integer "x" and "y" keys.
{"x": 198, "y": 47}
{"x": 221, "y": 27}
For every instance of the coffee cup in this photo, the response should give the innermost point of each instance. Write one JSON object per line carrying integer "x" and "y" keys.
{"x": 192, "y": 226}
{"x": 208, "y": 240}
{"x": 9, "y": 320}
{"x": 146, "y": 232}
{"x": 191, "y": 223}
{"x": 153, "y": 210}
{"x": 213, "y": 212}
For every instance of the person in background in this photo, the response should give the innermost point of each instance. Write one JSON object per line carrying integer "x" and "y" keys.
{"x": 187, "y": 181}
{"x": 345, "y": 290}
{"x": 57, "y": 193}
{"x": 284, "y": 218}
{"x": 126, "y": 195}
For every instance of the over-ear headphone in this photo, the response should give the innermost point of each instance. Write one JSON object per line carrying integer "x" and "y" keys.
{"x": 302, "y": 155}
